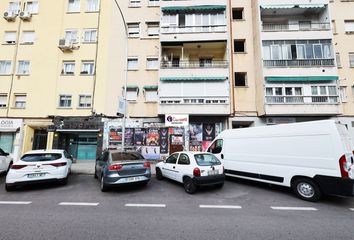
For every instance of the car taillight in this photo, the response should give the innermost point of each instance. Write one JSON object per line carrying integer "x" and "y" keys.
{"x": 62, "y": 164}
{"x": 18, "y": 166}
{"x": 343, "y": 167}
{"x": 196, "y": 172}
{"x": 115, "y": 167}
{"x": 146, "y": 165}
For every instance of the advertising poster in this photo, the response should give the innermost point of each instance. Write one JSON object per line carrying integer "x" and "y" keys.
{"x": 152, "y": 138}
{"x": 115, "y": 136}
{"x": 139, "y": 136}
{"x": 208, "y": 131}
{"x": 163, "y": 140}
{"x": 206, "y": 145}
{"x": 196, "y": 148}
{"x": 150, "y": 152}
{"x": 129, "y": 137}
{"x": 195, "y": 134}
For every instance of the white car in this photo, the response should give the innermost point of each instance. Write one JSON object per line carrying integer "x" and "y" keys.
{"x": 39, "y": 166}
{"x": 5, "y": 161}
{"x": 193, "y": 169}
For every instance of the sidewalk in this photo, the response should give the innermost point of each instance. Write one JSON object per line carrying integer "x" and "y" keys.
{"x": 88, "y": 167}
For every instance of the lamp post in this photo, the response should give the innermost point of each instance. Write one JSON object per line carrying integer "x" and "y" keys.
{"x": 125, "y": 74}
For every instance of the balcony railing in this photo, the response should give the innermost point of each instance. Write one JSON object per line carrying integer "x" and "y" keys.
{"x": 194, "y": 64}
{"x": 299, "y": 63}
{"x": 274, "y": 27}
{"x": 302, "y": 99}
{"x": 193, "y": 29}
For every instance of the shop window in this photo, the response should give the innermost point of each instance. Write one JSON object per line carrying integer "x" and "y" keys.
{"x": 239, "y": 45}
{"x": 240, "y": 79}
{"x": 7, "y": 142}
{"x": 237, "y": 13}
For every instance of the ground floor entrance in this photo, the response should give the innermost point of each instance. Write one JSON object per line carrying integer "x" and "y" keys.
{"x": 82, "y": 146}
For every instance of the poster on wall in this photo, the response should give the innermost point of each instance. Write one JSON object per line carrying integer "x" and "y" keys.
{"x": 139, "y": 136}
{"x": 152, "y": 138}
{"x": 150, "y": 152}
{"x": 129, "y": 137}
{"x": 115, "y": 136}
{"x": 163, "y": 140}
{"x": 195, "y": 137}
{"x": 196, "y": 148}
{"x": 208, "y": 131}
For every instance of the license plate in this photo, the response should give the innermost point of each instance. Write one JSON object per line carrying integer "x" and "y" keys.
{"x": 34, "y": 175}
{"x": 213, "y": 172}
{"x": 133, "y": 179}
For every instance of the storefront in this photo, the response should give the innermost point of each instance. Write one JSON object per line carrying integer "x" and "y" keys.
{"x": 81, "y": 137}
{"x": 10, "y": 135}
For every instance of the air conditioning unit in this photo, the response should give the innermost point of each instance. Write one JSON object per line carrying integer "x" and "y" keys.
{"x": 10, "y": 16}
{"x": 65, "y": 45}
{"x": 25, "y": 15}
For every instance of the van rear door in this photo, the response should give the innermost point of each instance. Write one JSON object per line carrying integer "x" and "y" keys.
{"x": 348, "y": 148}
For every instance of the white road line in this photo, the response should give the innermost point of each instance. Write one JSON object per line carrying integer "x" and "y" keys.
{"x": 295, "y": 208}
{"x": 145, "y": 205}
{"x": 15, "y": 202}
{"x": 221, "y": 206}
{"x": 78, "y": 204}
{"x": 351, "y": 209}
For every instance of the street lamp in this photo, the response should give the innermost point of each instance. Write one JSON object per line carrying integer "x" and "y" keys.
{"x": 125, "y": 75}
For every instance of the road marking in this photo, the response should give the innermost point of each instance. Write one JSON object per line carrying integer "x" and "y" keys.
{"x": 295, "y": 208}
{"x": 15, "y": 202}
{"x": 145, "y": 205}
{"x": 78, "y": 204}
{"x": 351, "y": 209}
{"x": 221, "y": 206}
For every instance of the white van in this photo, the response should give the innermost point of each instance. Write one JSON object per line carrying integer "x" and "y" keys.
{"x": 313, "y": 158}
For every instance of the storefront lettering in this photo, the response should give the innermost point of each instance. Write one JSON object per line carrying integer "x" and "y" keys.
{"x": 10, "y": 123}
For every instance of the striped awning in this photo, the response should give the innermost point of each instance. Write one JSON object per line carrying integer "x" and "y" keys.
{"x": 150, "y": 87}
{"x": 190, "y": 8}
{"x": 302, "y": 79}
{"x": 193, "y": 78}
{"x": 287, "y": 6}
{"x": 132, "y": 86}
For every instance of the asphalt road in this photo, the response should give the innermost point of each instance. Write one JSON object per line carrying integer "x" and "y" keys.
{"x": 162, "y": 210}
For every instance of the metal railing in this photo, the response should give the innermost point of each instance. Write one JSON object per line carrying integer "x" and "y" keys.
{"x": 194, "y": 64}
{"x": 302, "y": 99}
{"x": 299, "y": 63}
{"x": 193, "y": 29}
{"x": 275, "y": 27}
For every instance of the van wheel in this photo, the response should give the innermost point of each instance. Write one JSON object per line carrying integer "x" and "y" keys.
{"x": 307, "y": 189}
{"x": 159, "y": 175}
{"x": 189, "y": 185}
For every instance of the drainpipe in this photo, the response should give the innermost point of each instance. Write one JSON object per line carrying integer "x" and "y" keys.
{"x": 231, "y": 68}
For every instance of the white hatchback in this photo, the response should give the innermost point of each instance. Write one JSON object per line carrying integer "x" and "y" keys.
{"x": 193, "y": 169}
{"x": 39, "y": 166}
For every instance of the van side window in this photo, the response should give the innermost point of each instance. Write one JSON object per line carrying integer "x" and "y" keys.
{"x": 216, "y": 147}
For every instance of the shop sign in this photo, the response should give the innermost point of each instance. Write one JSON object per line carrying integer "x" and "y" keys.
{"x": 10, "y": 123}
{"x": 176, "y": 120}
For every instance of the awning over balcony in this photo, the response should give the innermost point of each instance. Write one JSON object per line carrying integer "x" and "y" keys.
{"x": 191, "y": 8}
{"x": 302, "y": 79}
{"x": 132, "y": 87}
{"x": 193, "y": 78}
{"x": 150, "y": 87}
{"x": 287, "y": 6}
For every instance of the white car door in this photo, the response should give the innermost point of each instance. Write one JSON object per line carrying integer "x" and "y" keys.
{"x": 183, "y": 167}
{"x": 169, "y": 166}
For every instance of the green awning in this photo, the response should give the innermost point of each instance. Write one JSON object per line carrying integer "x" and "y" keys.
{"x": 132, "y": 86}
{"x": 150, "y": 87}
{"x": 302, "y": 79}
{"x": 193, "y": 78}
{"x": 287, "y": 6}
{"x": 190, "y": 8}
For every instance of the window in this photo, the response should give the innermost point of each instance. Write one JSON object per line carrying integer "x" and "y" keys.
{"x": 132, "y": 94}
{"x": 14, "y": 7}
{"x": 343, "y": 94}
{"x": 65, "y": 101}
{"x": 20, "y": 101}
{"x": 90, "y": 35}
{"x": 351, "y": 59}
{"x": 153, "y": 3}
{"x": 32, "y": 7}
{"x": 172, "y": 159}
{"x": 73, "y": 5}
{"x": 240, "y": 79}
{"x": 68, "y": 68}
{"x": 85, "y": 101}
{"x": 134, "y": 3}
{"x": 28, "y": 37}
{"x": 23, "y": 67}
{"x": 183, "y": 159}
{"x": 92, "y": 5}
{"x": 216, "y": 147}
{"x": 151, "y": 95}
{"x": 152, "y": 63}
{"x": 237, "y": 13}
{"x": 152, "y": 29}
{"x": 132, "y": 63}
{"x": 5, "y": 67}
{"x": 133, "y": 29}
{"x": 239, "y": 45}
{"x": 71, "y": 36}
{"x": 87, "y": 68}
{"x": 3, "y": 100}
{"x": 10, "y": 37}
{"x": 205, "y": 62}
{"x": 349, "y": 26}
{"x": 338, "y": 60}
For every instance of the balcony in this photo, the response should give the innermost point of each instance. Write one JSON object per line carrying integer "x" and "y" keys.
{"x": 302, "y": 99}
{"x": 299, "y": 63}
{"x": 312, "y": 26}
{"x": 194, "y": 64}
